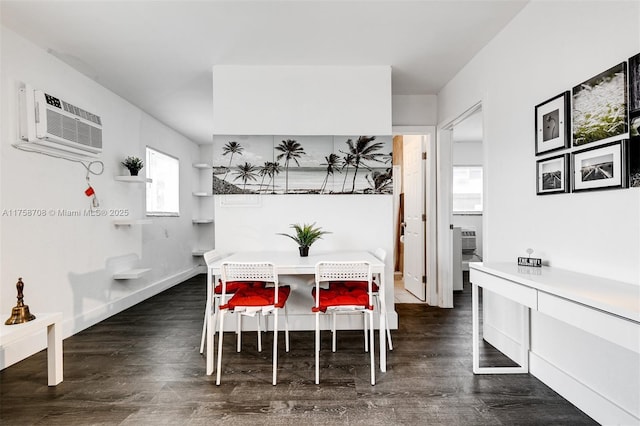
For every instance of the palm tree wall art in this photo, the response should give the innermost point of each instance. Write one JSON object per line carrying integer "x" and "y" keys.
{"x": 362, "y": 151}
{"x": 232, "y": 148}
{"x": 290, "y": 149}
{"x": 312, "y": 165}
{"x": 246, "y": 172}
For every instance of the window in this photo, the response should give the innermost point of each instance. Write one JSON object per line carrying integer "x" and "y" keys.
{"x": 163, "y": 193}
{"x": 467, "y": 189}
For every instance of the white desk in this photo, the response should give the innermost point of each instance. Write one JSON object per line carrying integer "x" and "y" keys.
{"x": 50, "y": 322}
{"x": 606, "y": 308}
{"x": 290, "y": 263}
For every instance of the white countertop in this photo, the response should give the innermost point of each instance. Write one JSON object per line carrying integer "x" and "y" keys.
{"x": 615, "y": 297}
{"x": 290, "y": 262}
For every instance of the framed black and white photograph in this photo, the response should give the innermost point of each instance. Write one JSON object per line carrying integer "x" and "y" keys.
{"x": 552, "y": 124}
{"x": 634, "y": 151}
{"x": 634, "y": 83}
{"x": 553, "y": 175}
{"x": 600, "y": 107}
{"x": 601, "y": 167}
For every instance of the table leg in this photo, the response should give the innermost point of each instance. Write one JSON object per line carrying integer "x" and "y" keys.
{"x": 210, "y": 329}
{"x": 54, "y": 354}
{"x": 383, "y": 323}
{"x": 524, "y": 351}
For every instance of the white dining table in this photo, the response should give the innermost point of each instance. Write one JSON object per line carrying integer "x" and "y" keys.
{"x": 291, "y": 263}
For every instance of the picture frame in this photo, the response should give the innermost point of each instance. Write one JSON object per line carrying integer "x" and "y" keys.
{"x": 633, "y": 151}
{"x": 634, "y": 84}
{"x": 552, "y": 120}
{"x": 552, "y": 175}
{"x": 599, "y": 107}
{"x": 599, "y": 167}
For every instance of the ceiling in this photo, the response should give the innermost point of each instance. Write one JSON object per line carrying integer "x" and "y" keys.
{"x": 159, "y": 54}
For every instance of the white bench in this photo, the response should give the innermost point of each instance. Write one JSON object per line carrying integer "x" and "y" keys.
{"x": 52, "y": 322}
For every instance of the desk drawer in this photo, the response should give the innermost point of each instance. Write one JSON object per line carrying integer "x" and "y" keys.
{"x": 519, "y": 293}
{"x": 610, "y": 327}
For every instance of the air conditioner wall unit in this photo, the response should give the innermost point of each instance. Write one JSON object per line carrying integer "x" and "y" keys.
{"x": 468, "y": 240}
{"x": 57, "y": 126}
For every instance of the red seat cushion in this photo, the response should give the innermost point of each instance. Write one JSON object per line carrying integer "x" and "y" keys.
{"x": 234, "y": 286}
{"x": 355, "y": 284}
{"x": 341, "y": 296}
{"x": 258, "y": 296}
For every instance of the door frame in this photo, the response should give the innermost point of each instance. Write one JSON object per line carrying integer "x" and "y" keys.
{"x": 445, "y": 207}
{"x": 429, "y": 190}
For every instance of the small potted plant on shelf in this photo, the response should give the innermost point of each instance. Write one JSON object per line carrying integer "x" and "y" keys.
{"x": 134, "y": 164}
{"x": 305, "y": 236}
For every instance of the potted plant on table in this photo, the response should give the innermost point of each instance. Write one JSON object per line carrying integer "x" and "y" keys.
{"x": 134, "y": 164}
{"x": 305, "y": 236}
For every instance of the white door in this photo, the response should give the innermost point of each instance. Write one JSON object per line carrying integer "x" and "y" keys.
{"x": 413, "y": 182}
{"x": 445, "y": 220}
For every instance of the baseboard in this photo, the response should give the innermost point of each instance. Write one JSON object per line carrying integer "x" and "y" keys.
{"x": 89, "y": 318}
{"x": 582, "y": 396}
{"x": 26, "y": 347}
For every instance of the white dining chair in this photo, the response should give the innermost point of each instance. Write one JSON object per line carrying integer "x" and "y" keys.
{"x": 214, "y": 299}
{"x": 342, "y": 297}
{"x": 213, "y": 296}
{"x": 253, "y": 300}
{"x": 381, "y": 254}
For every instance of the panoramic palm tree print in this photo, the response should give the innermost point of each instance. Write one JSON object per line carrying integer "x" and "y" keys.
{"x": 360, "y": 152}
{"x": 246, "y": 172}
{"x": 232, "y": 148}
{"x": 290, "y": 149}
{"x": 273, "y": 169}
{"x": 347, "y": 161}
{"x": 363, "y": 160}
{"x": 332, "y": 163}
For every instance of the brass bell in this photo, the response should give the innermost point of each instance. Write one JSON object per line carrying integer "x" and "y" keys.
{"x": 20, "y": 313}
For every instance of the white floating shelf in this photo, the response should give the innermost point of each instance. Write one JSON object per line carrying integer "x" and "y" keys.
{"x": 133, "y": 179}
{"x": 202, "y": 165}
{"x": 131, "y": 222}
{"x": 131, "y": 274}
{"x": 202, "y": 220}
{"x": 203, "y": 194}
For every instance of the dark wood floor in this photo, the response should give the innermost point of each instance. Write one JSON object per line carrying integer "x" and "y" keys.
{"x": 143, "y": 367}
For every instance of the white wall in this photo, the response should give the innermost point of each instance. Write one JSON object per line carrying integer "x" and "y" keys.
{"x": 67, "y": 262}
{"x": 548, "y": 48}
{"x": 302, "y": 100}
{"x": 356, "y": 222}
{"x": 294, "y": 100}
{"x": 414, "y": 110}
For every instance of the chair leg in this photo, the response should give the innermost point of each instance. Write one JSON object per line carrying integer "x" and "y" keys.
{"x": 258, "y": 318}
{"x": 371, "y": 356}
{"x": 275, "y": 346}
{"x": 317, "y": 348}
{"x": 286, "y": 329}
{"x": 366, "y": 338}
{"x": 204, "y": 328}
{"x": 239, "y": 331}
{"x": 386, "y": 322}
{"x": 333, "y": 332}
{"x": 220, "y": 339}
{"x": 211, "y": 324}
